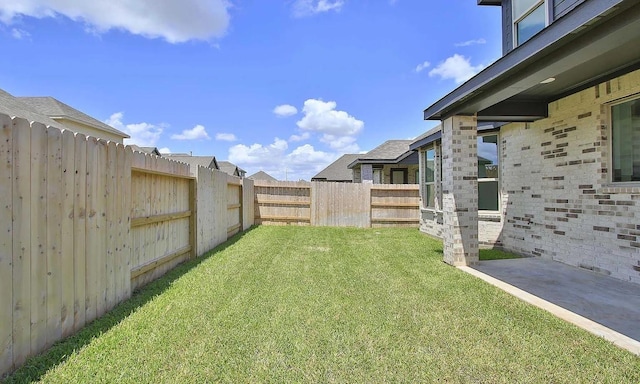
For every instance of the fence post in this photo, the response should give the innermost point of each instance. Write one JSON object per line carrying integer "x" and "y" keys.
{"x": 193, "y": 219}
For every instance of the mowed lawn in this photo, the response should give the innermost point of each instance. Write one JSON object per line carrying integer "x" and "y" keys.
{"x": 298, "y": 304}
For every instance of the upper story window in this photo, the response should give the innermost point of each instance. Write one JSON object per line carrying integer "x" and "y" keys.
{"x": 488, "y": 173}
{"x": 529, "y": 18}
{"x": 625, "y": 138}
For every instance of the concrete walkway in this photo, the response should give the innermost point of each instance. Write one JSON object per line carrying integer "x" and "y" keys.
{"x": 605, "y": 306}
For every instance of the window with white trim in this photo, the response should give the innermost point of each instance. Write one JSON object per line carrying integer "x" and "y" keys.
{"x": 625, "y": 139}
{"x": 488, "y": 173}
{"x": 429, "y": 189}
{"x": 529, "y": 18}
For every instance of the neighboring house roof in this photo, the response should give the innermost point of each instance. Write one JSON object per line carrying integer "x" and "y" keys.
{"x": 338, "y": 170}
{"x": 14, "y": 107}
{"x": 262, "y": 175}
{"x": 149, "y": 150}
{"x": 592, "y": 43}
{"x": 231, "y": 168}
{"x": 55, "y": 109}
{"x": 194, "y": 161}
{"x": 389, "y": 152}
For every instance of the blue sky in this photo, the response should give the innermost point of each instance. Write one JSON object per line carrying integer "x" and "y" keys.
{"x": 281, "y": 86}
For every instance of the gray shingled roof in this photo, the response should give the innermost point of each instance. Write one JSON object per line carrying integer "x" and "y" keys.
{"x": 150, "y": 150}
{"x": 391, "y": 151}
{"x": 262, "y": 175}
{"x": 194, "y": 161}
{"x": 14, "y": 107}
{"x": 338, "y": 170}
{"x": 55, "y": 109}
{"x": 230, "y": 168}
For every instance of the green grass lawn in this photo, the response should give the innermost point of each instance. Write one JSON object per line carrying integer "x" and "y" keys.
{"x": 296, "y": 304}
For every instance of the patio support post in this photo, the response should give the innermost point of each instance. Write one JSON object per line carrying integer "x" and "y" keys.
{"x": 460, "y": 190}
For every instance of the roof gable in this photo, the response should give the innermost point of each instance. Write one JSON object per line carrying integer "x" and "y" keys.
{"x": 338, "y": 170}
{"x": 194, "y": 161}
{"x": 55, "y": 109}
{"x": 14, "y": 107}
{"x": 261, "y": 175}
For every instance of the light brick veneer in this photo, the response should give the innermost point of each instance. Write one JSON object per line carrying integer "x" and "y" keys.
{"x": 558, "y": 202}
{"x": 460, "y": 190}
{"x": 556, "y": 198}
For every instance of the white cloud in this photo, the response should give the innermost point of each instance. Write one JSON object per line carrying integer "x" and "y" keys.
{"x": 338, "y": 128}
{"x": 456, "y": 67}
{"x": 226, "y": 137}
{"x": 302, "y": 137}
{"x": 285, "y": 110}
{"x": 196, "y": 133}
{"x": 176, "y": 21}
{"x": 164, "y": 150}
{"x": 302, "y": 8}
{"x": 320, "y": 116}
{"x": 301, "y": 163}
{"x": 471, "y": 42}
{"x": 421, "y": 67}
{"x": 142, "y": 134}
{"x": 19, "y": 34}
{"x": 341, "y": 144}
{"x": 258, "y": 154}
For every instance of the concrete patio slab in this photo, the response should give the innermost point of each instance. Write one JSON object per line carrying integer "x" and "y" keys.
{"x": 605, "y": 306}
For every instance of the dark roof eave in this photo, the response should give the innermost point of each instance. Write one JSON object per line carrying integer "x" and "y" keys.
{"x": 379, "y": 161}
{"x": 546, "y": 41}
{"x": 425, "y": 141}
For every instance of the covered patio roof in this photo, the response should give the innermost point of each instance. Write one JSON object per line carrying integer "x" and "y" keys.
{"x": 595, "y": 42}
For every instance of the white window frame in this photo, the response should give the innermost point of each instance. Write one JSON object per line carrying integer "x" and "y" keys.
{"x": 423, "y": 176}
{"x": 610, "y": 130}
{"x": 492, "y": 179}
{"x": 516, "y": 19}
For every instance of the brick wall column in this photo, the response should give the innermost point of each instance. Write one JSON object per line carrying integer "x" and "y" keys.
{"x": 460, "y": 190}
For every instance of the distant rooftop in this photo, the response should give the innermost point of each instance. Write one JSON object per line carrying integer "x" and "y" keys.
{"x": 338, "y": 170}
{"x": 391, "y": 151}
{"x": 55, "y": 109}
{"x": 261, "y": 175}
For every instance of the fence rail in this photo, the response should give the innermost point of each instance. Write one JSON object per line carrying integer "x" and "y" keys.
{"x": 336, "y": 204}
{"x": 83, "y": 222}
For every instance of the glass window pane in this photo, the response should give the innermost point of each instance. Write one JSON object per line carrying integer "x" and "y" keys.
{"x": 625, "y": 135}
{"x": 430, "y": 165}
{"x": 488, "y": 195}
{"x": 430, "y": 195}
{"x": 521, "y": 6}
{"x": 397, "y": 177}
{"x": 530, "y": 25}
{"x": 488, "y": 156}
{"x": 377, "y": 176}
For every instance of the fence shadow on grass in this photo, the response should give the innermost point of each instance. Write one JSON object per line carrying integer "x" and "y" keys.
{"x": 39, "y": 365}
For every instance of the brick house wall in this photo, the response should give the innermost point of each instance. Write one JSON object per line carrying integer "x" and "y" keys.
{"x": 557, "y": 200}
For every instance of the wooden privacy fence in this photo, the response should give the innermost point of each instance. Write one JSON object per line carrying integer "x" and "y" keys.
{"x": 163, "y": 226}
{"x": 83, "y": 222}
{"x": 221, "y": 209}
{"x": 336, "y": 204}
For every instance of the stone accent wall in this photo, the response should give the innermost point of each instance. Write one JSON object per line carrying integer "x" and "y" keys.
{"x": 460, "y": 190}
{"x": 558, "y": 202}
